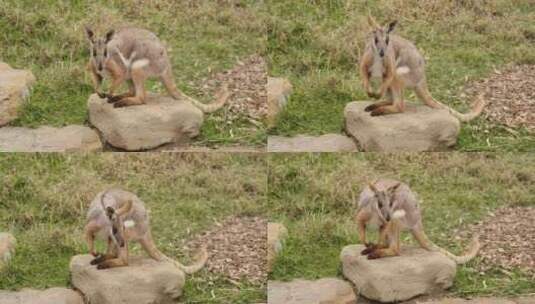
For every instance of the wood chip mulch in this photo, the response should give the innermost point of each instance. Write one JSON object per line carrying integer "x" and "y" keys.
{"x": 247, "y": 82}
{"x": 237, "y": 249}
{"x": 510, "y": 94}
{"x": 508, "y": 239}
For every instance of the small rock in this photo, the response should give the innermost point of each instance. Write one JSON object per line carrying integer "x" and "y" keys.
{"x": 7, "y": 248}
{"x": 304, "y": 143}
{"x": 14, "y": 89}
{"x": 276, "y": 234}
{"x": 323, "y": 291}
{"x": 55, "y": 295}
{"x": 278, "y": 91}
{"x": 142, "y": 281}
{"x": 419, "y": 128}
{"x": 415, "y": 272}
{"x": 48, "y": 139}
{"x": 161, "y": 120}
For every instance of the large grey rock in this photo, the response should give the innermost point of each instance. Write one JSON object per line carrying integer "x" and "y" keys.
{"x": 323, "y": 291}
{"x": 278, "y": 91}
{"x": 276, "y": 234}
{"x": 49, "y": 296}
{"x": 7, "y": 248}
{"x": 419, "y": 128}
{"x": 161, "y": 120}
{"x": 415, "y": 272}
{"x": 472, "y": 301}
{"x": 142, "y": 281}
{"x": 304, "y": 143}
{"x": 14, "y": 89}
{"x": 48, "y": 139}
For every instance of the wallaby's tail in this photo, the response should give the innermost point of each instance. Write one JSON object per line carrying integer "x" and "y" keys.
{"x": 221, "y": 96}
{"x": 470, "y": 253}
{"x": 477, "y": 107}
{"x": 201, "y": 259}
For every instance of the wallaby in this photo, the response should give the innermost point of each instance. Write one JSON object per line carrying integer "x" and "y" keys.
{"x": 393, "y": 207}
{"x": 399, "y": 64}
{"x": 147, "y": 59}
{"x": 120, "y": 216}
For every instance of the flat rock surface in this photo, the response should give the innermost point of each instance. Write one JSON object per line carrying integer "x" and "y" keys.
{"x": 323, "y": 291}
{"x": 14, "y": 89}
{"x": 143, "y": 281}
{"x": 48, "y": 296}
{"x": 161, "y": 120}
{"x": 276, "y": 233}
{"x": 415, "y": 272}
{"x": 48, "y": 139}
{"x": 305, "y": 143}
{"x": 419, "y": 128}
{"x": 489, "y": 300}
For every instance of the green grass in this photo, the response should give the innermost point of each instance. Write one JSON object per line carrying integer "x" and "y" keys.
{"x": 317, "y": 45}
{"x": 313, "y": 194}
{"x": 44, "y": 201}
{"x": 203, "y": 38}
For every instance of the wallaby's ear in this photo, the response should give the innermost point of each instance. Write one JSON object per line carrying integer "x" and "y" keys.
{"x": 391, "y": 26}
{"x": 393, "y": 189}
{"x": 90, "y": 34}
{"x": 125, "y": 208}
{"x": 109, "y": 35}
{"x": 372, "y": 21}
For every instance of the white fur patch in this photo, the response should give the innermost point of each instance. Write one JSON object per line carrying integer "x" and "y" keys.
{"x": 398, "y": 214}
{"x": 403, "y": 70}
{"x": 140, "y": 63}
{"x": 129, "y": 224}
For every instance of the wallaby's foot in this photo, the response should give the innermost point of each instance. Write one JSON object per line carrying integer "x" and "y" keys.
{"x": 370, "y": 108}
{"x": 116, "y": 98}
{"x": 374, "y": 255}
{"x": 102, "y": 266}
{"x": 383, "y": 110}
{"x": 98, "y": 259}
{"x": 370, "y": 247}
{"x": 129, "y": 101}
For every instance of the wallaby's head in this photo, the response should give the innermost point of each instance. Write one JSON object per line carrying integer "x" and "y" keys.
{"x": 98, "y": 47}
{"x": 384, "y": 201}
{"x": 380, "y": 35}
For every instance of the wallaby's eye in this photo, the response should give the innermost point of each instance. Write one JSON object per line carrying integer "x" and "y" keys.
{"x": 94, "y": 52}
{"x": 376, "y": 40}
{"x": 105, "y": 53}
{"x": 387, "y": 39}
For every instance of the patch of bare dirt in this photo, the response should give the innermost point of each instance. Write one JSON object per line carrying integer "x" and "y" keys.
{"x": 508, "y": 239}
{"x": 511, "y": 96}
{"x": 247, "y": 81}
{"x": 237, "y": 248}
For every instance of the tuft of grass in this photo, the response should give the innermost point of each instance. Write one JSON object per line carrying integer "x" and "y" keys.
{"x": 203, "y": 38}
{"x": 44, "y": 201}
{"x": 317, "y": 46}
{"x": 314, "y": 196}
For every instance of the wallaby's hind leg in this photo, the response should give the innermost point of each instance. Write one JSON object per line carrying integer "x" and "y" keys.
{"x": 111, "y": 253}
{"x": 121, "y": 260}
{"x": 131, "y": 92}
{"x": 397, "y": 105}
{"x": 138, "y": 78}
{"x": 393, "y": 231}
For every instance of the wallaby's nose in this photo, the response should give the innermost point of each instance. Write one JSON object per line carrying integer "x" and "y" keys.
{"x": 100, "y": 67}
{"x": 381, "y": 53}
{"x": 388, "y": 218}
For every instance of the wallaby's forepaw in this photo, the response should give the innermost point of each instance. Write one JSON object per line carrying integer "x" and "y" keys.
{"x": 120, "y": 104}
{"x": 98, "y": 259}
{"x": 377, "y": 112}
{"x": 370, "y": 108}
{"x": 102, "y": 95}
{"x": 370, "y": 247}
